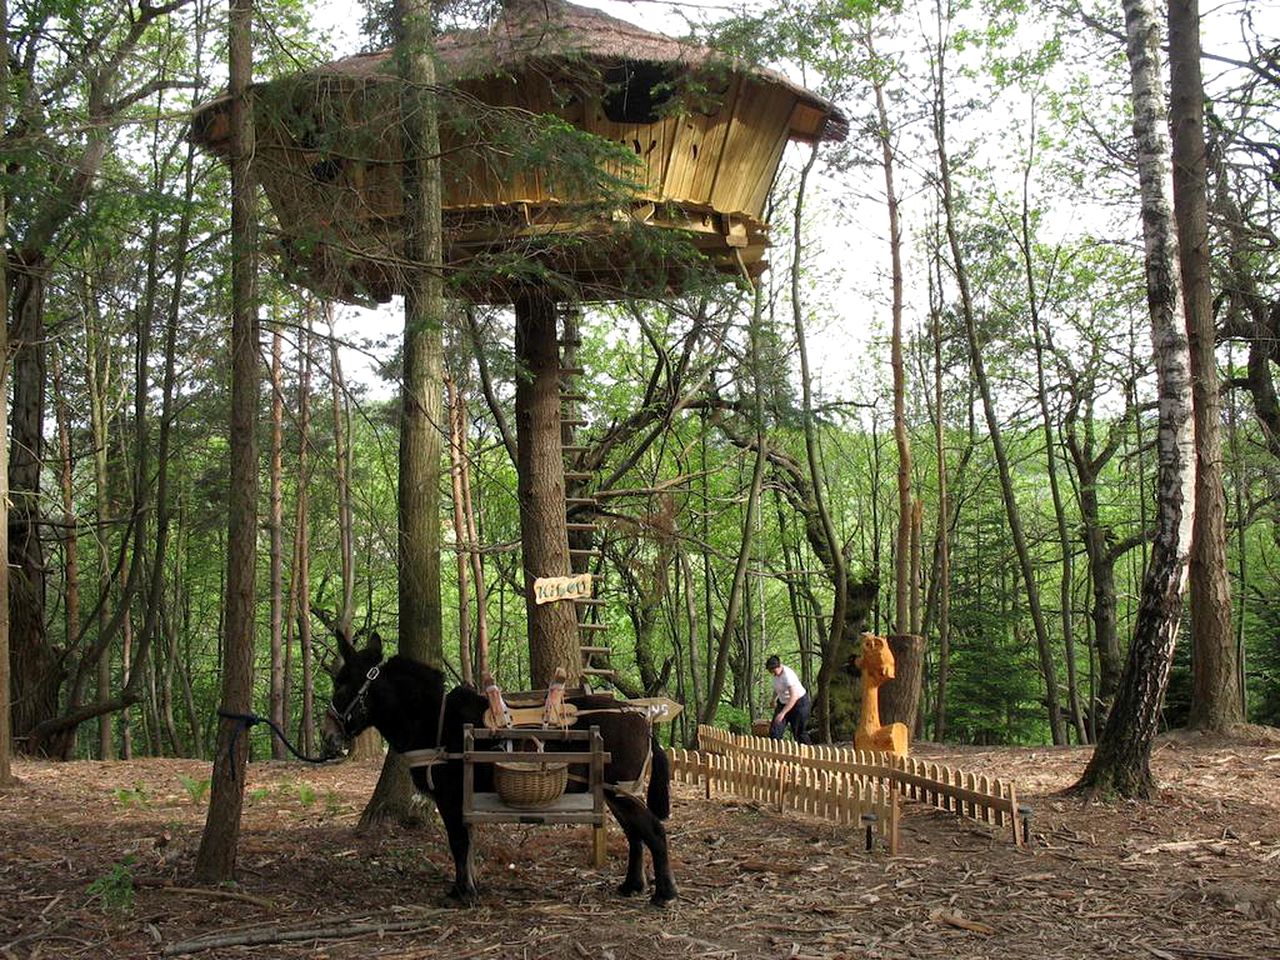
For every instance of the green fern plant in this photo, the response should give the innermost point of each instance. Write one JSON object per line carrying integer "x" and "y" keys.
{"x": 114, "y": 889}
{"x": 135, "y": 796}
{"x": 196, "y": 789}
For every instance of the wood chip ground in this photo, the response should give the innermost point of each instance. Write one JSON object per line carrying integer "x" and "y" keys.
{"x": 1193, "y": 876}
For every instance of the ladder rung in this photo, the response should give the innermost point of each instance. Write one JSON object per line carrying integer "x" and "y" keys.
{"x": 595, "y": 651}
{"x": 572, "y": 371}
{"x": 581, "y": 502}
{"x": 598, "y": 671}
{"x": 585, "y": 553}
{"x": 582, "y": 526}
{"x": 593, "y": 626}
{"x": 573, "y": 422}
{"x": 590, "y": 601}
{"x": 574, "y": 397}
{"x": 574, "y": 448}
{"x": 578, "y": 474}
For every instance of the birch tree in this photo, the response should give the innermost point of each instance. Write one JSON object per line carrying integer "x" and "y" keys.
{"x": 1121, "y": 762}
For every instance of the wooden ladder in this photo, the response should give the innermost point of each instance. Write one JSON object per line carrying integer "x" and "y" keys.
{"x": 582, "y": 534}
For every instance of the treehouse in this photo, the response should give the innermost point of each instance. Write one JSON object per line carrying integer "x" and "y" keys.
{"x": 688, "y": 147}
{"x": 582, "y": 158}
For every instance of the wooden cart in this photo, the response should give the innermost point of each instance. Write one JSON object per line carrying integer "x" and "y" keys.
{"x": 487, "y": 807}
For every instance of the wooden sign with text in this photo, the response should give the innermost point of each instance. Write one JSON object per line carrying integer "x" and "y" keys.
{"x": 551, "y": 589}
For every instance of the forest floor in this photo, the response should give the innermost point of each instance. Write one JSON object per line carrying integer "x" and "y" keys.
{"x": 96, "y": 860}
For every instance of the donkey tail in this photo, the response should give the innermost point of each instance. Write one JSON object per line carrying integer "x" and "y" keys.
{"x": 659, "y": 795}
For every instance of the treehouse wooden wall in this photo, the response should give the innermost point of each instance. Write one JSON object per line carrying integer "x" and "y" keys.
{"x": 329, "y": 151}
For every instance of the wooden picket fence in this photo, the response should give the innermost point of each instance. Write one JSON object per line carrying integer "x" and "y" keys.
{"x": 791, "y": 784}
{"x": 842, "y": 784}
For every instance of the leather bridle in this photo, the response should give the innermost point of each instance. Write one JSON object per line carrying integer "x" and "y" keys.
{"x": 357, "y": 712}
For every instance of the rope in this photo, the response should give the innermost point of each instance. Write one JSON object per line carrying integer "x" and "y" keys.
{"x": 246, "y": 720}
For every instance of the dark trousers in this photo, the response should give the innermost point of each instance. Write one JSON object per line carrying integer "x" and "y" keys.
{"x": 797, "y": 720}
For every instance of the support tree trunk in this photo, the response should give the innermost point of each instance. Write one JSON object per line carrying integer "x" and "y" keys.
{"x": 553, "y": 627}
{"x": 421, "y": 404}
{"x": 1121, "y": 762}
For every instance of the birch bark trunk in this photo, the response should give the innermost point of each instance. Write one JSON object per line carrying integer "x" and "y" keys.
{"x": 1121, "y": 763}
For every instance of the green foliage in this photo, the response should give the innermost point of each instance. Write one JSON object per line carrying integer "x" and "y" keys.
{"x": 306, "y": 793}
{"x": 136, "y": 796}
{"x": 114, "y": 890}
{"x": 197, "y": 789}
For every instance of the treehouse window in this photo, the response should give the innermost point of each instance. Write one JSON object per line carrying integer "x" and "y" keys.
{"x": 635, "y": 92}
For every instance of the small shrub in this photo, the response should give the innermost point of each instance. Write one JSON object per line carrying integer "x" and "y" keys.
{"x": 306, "y": 794}
{"x": 198, "y": 790}
{"x": 114, "y": 889}
{"x": 135, "y": 796}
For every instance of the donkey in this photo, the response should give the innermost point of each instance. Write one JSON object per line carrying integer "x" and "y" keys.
{"x": 406, "y": 701}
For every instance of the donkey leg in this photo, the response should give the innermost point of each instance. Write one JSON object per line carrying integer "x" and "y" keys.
{"x": 664, "y": 886}
{"x": 464, "y": 888}
{"x": 625, "y": 810}
{"x": 643, "y": 829}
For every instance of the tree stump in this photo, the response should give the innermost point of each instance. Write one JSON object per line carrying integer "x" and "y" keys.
{"x": 900, "y": 697}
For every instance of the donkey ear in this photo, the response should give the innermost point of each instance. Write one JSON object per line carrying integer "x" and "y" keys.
{"x": 345, "y": 649}
{"x": 331, "y": 665}
{"x": 375, "y": 644}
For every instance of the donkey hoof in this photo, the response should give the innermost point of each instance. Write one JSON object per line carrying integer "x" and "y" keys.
{"x": 663, "y": 896}
{"x": 630, "y": 888}
{"x": 463, "y": 896}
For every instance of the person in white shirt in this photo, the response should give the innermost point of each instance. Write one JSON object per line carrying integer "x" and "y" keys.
{"x": 791, "y": 702}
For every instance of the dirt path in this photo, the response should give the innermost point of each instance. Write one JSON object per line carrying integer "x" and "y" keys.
{"x": 97, "y": 859}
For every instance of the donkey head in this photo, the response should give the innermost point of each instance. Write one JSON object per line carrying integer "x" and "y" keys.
{"x": 348, "y": 712}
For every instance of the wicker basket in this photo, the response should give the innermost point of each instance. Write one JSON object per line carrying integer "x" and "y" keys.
{"x": 530, "y": 786}
{"x": 760, "y": 728}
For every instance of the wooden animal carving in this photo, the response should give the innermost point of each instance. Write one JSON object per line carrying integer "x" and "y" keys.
{"x": 877, "y": 667}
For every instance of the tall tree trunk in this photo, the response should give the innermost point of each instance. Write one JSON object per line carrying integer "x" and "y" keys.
{"x": 300, "y": 577}
{"x": 420, "y": 400}
{"x": 97, "y": 372}
{"x": 472, "y": 529}
{"x": 832, "y": 648}
{"x": 368, "y": 745}
{"x": 70, "y": 536}
{"x": 553, "y": 627}
{"x": 216, "y": 858}
{"x": 1047, "y": 667}
{"x": 1067, "y": 577}
{"x": 37, "y": 673}
{"x": 944, "y": 520}
{"x": 457, "y": 453}
{"x": 125, "y": 613}
{"x": 902, "y": 548}
{"x": 733, "y": 605}
{"x": 1215, "y": 693}
{"x": 6, "y": 705}
{"x": 276, "y": 527}
{"x": 342, "y": 472}
{"x": 1121, "y": 762}
{"x": 691, "y": 618}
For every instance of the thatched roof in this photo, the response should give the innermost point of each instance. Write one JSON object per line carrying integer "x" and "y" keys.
{"x": 528, "y": 31}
